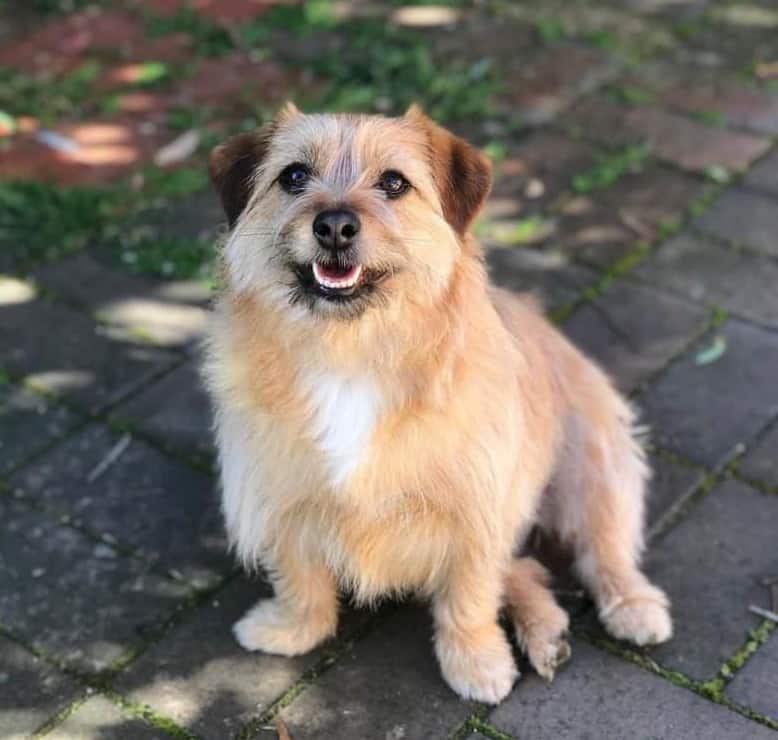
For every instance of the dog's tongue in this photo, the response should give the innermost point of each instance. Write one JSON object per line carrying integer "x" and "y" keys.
{"x": 335, "y": 276}
{"x": 335, "y": 272}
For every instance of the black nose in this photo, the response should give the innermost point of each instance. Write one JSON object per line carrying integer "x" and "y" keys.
{"x": 336, "y": 229}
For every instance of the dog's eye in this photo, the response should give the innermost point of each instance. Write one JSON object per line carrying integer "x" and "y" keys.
{"x": 393, "y": 184}
{"x": 294, "y": 177}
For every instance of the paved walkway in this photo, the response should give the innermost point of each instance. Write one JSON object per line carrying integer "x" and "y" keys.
{"x": 637, "y": 191}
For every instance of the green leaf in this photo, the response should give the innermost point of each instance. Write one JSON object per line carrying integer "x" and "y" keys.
{"x": 712, "y": 353}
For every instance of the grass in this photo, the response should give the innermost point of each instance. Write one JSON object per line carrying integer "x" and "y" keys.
{"x": 208, "y": 38}
{"x": 610, "y": 168}
{"x": 380, "y": 68}
{"x": 42, "y": 222}
{"x": 167, "y": 256}
{"x": 629, "y": 94}
{"x": 48, "y": 101}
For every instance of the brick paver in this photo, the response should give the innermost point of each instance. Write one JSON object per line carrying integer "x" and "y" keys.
{"x": 29, "y": 422}
{"x": 745, "y": 218}
{"x": 634, "y": 331}
{"x": 757, "y": 684}
{"x": 612, "y": 125}
{"x": 712, "y": 566}
{"x": 98, "y": 717}
{"x": 600, "y": 696}
{"x": 32, "y": 691}
{"x": 203, "y": 679}
{"x": 687, "y": 404}
{"x": 75, "y": 598}
{"x": 701, "y": 268}
{"x": 175, "y": 411}
{"x": 135, "y": 500}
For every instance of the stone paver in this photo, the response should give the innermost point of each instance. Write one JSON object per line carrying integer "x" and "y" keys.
{"x": 690, "y": 145}
{"x": 552, "y": 277}
{"x": 756, "y": 685}
{"x": 175, "y": 410}
{"x": 738, "y": 105}
{"x": 140, "y": 307}
{"x": 600, "y": 696}
{"x": 30, "y": 691}
{"x": 764, "y": 175}
{"x": 603, "y": 226}
{"x": 712, "y": 566}
{"x": 671, "y": 483}
{"x": 633, "y": 331}
{"x": 200, "y": 677}
{"x": 536, "y": 172}
{"x": 388, "y": 685}
{"x": 702, "y": 269}
{"x": 552, "y": 82}
{"x": 99, "y": 719}
{"x": 28, "y": 423}
{"x": 687, "y": 404}
{"x": 71, "y": 597}
{"x": 86, "y": 364}
{"x": 745, "y": 218}
{"x": 761, "y": 462}
{"x": 166, "y": 510}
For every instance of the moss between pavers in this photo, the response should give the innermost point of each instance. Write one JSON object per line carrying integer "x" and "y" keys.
{"x": 331, "y": 655}
{"x": 713, "y": 690}
{"x": 59, "y": 717}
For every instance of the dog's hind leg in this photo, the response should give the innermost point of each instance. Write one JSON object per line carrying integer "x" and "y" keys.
{"x": 599, "y": 508}
{"x": 540, "y": 623}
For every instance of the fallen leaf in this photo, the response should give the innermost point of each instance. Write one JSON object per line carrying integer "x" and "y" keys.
{"x": 767, "y": 70}
{"x": 56, "y": 141}
{"x": 179, "y": 149}
{"x": 7, "y": 124}
{"x": 281, "y": 730}
{"x": 711, "y": 353}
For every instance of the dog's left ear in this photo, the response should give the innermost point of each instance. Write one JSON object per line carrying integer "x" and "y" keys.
{"x": 462, "y": 174}
{"x": 232, "y": 165}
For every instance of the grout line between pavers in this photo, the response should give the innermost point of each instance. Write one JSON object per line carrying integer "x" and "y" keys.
{"x": 723, "y": 470}
{"x": 330, "y": 658}
{"x": 56, "y": 719}
{"x": 733, "y": 245}
{"x": 712, "y": 690}
{"x": 54, "y": 298}
{"x": 163, "y": 625}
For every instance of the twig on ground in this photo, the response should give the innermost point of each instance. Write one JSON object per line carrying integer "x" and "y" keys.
{"x": 766, "y": 613}
{"x": 113, "y": 455}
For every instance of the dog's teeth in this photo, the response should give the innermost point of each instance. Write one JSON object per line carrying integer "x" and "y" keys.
{"x": 348, "y": 282}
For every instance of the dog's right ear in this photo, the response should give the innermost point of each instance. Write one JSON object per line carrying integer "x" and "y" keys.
{"x": 232, "y": 165}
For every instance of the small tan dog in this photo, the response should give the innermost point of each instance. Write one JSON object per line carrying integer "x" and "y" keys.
{"x": 389, "y": 422}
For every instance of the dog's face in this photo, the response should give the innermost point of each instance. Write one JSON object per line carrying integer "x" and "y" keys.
{"x": 331, "y": 214}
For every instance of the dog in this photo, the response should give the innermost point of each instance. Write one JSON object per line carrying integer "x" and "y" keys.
{"x": 389, "y": 422}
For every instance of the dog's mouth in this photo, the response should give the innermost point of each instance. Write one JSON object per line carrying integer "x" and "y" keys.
{"x": 342, "y": 282}
{"x": 336, "y": 279}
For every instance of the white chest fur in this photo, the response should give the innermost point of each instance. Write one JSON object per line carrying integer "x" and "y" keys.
{"x": 344, "y": 412}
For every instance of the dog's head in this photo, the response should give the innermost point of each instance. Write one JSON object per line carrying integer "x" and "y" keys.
{"x": 335, "y": 213}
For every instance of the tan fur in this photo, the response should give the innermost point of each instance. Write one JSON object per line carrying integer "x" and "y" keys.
{"x": 486, "y": 420}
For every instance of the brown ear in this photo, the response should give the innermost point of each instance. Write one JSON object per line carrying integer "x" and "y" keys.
{"x": 463, "y": 174}
{"x": 232, "y": 166}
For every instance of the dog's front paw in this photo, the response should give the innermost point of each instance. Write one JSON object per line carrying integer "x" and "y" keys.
{"x": 545, "y": 643}
{"x": 271, "y": 627}
{"x": 479, "y": 667}
{"x": 643, "y": 619}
